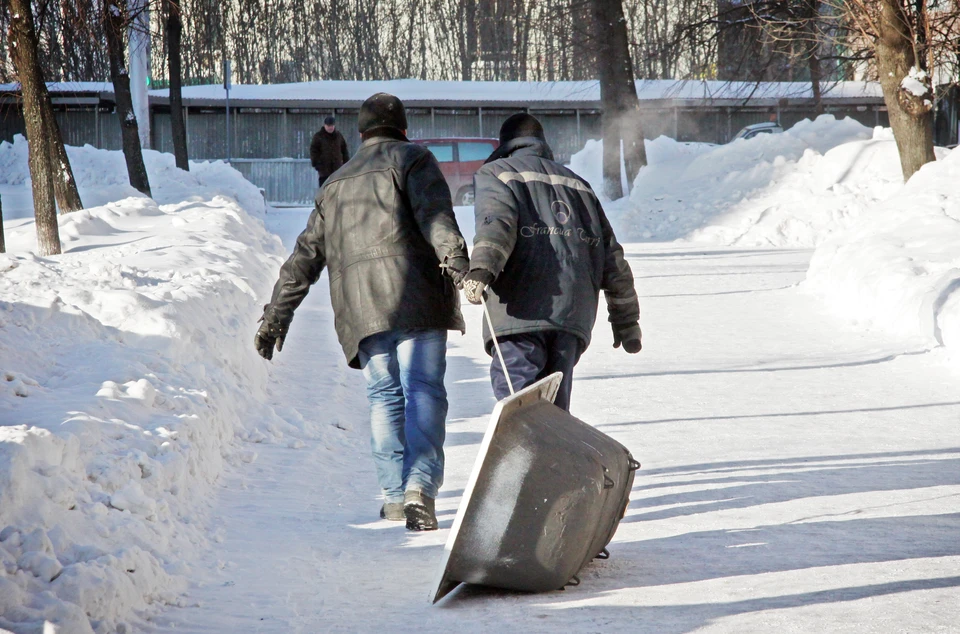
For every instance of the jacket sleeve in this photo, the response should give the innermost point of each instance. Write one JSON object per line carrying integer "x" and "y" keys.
{"x": 316, "y": 150}
{"x": 496, "y": 223}
{"x": 623, "y": 305}
{"x": 343, "y": 149}
{"x": 301, "y": 270}
{"x": 432, "y": 208}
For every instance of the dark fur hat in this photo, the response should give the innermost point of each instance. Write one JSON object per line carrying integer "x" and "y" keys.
{"x": 521, "y": 125}
{"x": 382, "y": 110}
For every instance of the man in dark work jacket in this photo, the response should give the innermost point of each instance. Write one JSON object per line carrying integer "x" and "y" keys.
{"x": 328, "y": 150}
{"x": 383, "y": 226}
{"x": 545, "y": 250}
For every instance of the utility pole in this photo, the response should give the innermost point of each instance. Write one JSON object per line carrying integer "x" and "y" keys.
{"x": 226, "y": 87}
{"x": 139, "y": 53}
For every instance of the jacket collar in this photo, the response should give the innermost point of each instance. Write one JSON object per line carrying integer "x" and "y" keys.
{"x": 381, "y": 134}
{"x": 522, "y": 146}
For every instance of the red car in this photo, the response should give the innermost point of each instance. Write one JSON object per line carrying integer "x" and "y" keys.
{"x": 459, "y": 159}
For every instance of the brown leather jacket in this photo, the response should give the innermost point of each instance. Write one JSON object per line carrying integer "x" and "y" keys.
{"x": 381, "y": 225}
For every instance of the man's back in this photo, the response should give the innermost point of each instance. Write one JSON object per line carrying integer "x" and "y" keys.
{"x": 374, "y": 204}
{"x": 552, "y": 225}
{"x": 382, "y": 224}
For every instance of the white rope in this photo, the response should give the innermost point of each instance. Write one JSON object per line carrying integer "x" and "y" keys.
{"x": 497, "y": 345}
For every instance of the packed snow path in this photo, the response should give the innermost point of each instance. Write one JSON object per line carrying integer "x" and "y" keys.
{"x": 798, "y": 475}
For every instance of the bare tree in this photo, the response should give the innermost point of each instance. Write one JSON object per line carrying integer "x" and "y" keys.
{"x": 116, "y": 17}
{"x": 174, "y": 32}
{"x": 899, "y": 33}
{"x": 64, "y": 184}
{"x": 900, "y": 49}
{"x": 3, "y": 245}
{"x": 23, "y": 50}
{"x": 618, "y": 93}
{"x": 467, "y": 37}
{"x": 798, "y": 31}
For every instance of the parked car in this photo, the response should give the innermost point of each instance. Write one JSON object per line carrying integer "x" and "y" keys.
{"x": 459, "y": 159}
{"x": 769, "y": 127}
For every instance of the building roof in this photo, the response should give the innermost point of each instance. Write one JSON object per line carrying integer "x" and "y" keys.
{"x": 420, "y": 93}
{"x": 416, "y": 92}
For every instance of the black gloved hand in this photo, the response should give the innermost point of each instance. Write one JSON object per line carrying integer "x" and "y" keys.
{"x": 456, "y": 269}
{"x": 268, "y": 336}
{"x": 629, "y": 335}
{"x": 474, "y": 284}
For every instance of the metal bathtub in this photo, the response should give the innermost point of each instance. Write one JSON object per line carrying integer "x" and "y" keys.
{"x": 545, "y": 497}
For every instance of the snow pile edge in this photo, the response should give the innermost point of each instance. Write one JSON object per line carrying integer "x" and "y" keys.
{"x": 127, "y": 378}
{"x": 898, "y": 267}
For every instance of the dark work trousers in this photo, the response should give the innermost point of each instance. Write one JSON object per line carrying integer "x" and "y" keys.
{"x": 532, "y": 356}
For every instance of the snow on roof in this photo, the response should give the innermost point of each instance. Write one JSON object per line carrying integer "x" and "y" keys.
{"x": 66, "y": 86}
{"x": 487, "y": 92}
{"x": 493, "y": 91}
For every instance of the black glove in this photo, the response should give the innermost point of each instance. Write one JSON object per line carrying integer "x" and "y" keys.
{"x": 474, "y": 284}
{"x": 268, "y": 336}
{"x": 629, "y": 335}
{"x": 456, "y": 269}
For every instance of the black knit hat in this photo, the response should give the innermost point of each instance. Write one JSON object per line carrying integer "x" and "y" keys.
{"x": 382, "y": 110}
{"x": 521, "y": 125}
{"x": 329, "y": 120}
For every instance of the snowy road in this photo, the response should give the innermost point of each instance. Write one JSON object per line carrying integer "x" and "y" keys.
{"x": 798, "y": 475}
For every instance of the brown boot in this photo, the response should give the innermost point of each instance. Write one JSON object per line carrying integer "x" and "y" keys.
{"x": 392, "y": 511}
{"x": 419, "y": 511}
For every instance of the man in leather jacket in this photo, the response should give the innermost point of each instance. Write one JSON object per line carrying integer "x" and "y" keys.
{"x": 383, "y": 225}
{"x": 543, "y": 251}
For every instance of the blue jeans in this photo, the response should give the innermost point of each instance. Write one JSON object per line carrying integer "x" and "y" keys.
{"x": 408, "y": 408}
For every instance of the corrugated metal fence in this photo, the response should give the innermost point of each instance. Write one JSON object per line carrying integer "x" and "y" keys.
{"x": 270, "y": 146}
{"x": 284, "y": 180}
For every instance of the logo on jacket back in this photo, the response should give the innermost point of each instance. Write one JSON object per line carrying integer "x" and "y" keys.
{"x": 563, "y": 213}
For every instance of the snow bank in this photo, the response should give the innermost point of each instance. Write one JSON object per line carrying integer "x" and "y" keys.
{"x": 898, "y": 266}
{"x": 663, "y": 154}
{"x": 127, "y": 376}
{"x": 102, "y": 178}
{"x": 791, "y": 189}
{"x": 889, "y": 253}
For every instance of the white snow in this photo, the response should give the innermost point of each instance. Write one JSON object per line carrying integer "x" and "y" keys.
{"x": 898, "y": 266}
{"x": 790, "y": 189}
{"x": 916, "y": 82}
{"x": 127, "y": 379}
{"x": 794, "y": 409}
{"x": 414, "y": 90}
{"x": 887, "y": 253}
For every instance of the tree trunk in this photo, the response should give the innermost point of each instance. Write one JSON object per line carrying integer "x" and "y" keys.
{"x": 177, "y": 124}
{"x": 3, "y": 245}
{"x": 631, "y": 129}
{"x": 115, "y": 12}
{"x": 618, "y": 94}
{"x": 911, "y": 116}
{"x": 64, "y": 184}
{"x": 468, "y": 37}
{"x": 23, "y": 52}
{"x": 811, "y": 16}
{"x": 815, "y": 78}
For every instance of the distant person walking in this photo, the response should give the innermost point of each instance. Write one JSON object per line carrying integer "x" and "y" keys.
{"x": 545, "y": 250}
{"x": 384, "y": 227}
{"x": 328, "y": 150}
